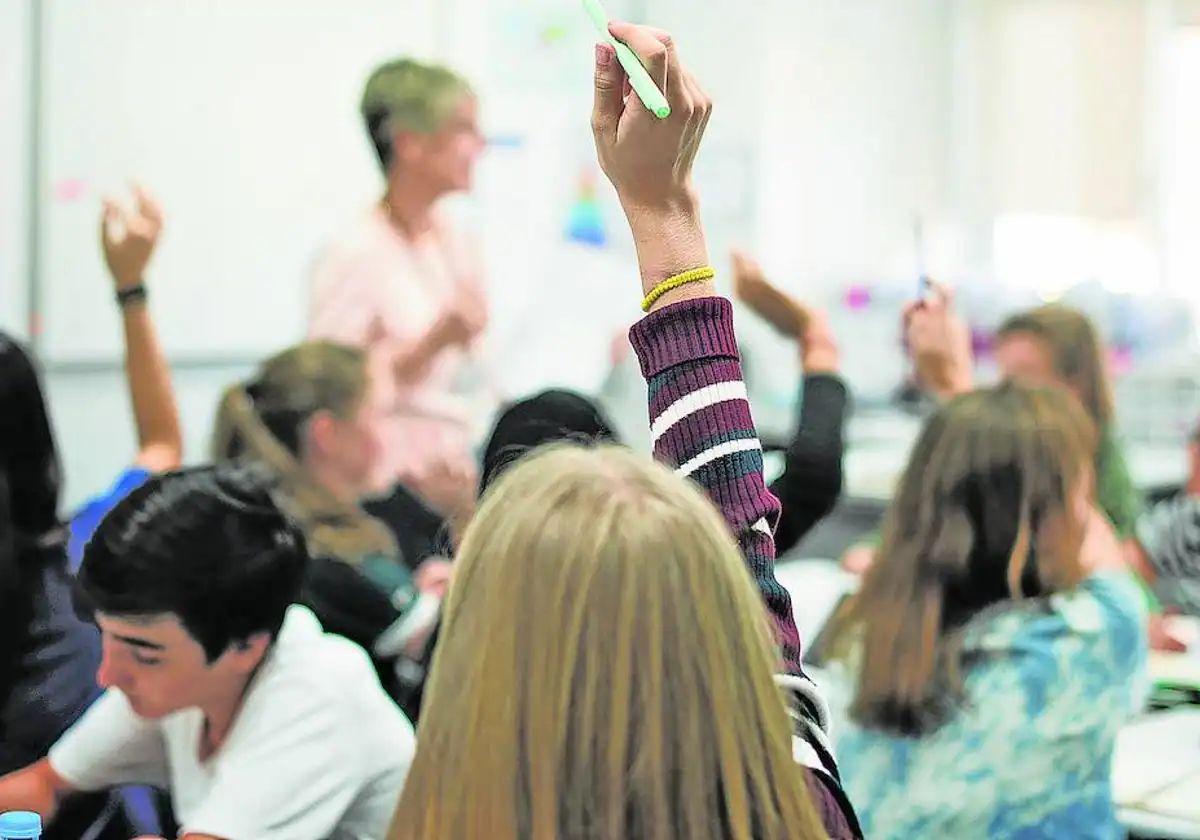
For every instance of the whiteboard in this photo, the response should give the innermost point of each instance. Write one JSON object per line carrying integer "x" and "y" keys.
{"x": 242, "y": 117}
{"x": 14, "y": 163}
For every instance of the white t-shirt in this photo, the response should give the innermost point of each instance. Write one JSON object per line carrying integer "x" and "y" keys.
{"x": 317, "y": 750}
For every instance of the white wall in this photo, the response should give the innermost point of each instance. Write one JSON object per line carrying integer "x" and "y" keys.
{"x": 855, "y": 135}
{"x": 854, "y": 149}
{"x": 14, "y": 158}
{"x": 1068, "y": 86}
{"x": 838, "y": 123}
{"x": 243, "y": 117}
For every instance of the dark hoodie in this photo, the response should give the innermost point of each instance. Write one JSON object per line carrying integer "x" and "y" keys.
{"x": 48, "y": 656}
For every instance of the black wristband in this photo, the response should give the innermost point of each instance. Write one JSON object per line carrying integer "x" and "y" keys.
{"x": 134, "y": 294}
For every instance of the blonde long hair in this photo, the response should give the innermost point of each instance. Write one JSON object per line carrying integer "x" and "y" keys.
{"x": 605, "y": 670}
{"x": 264, "y": 420}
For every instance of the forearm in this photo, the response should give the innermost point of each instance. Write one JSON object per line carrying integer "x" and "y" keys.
{"x": 822, "y": 414}
{"x": 812, "y": 478}
{"x": 945, "y": 379}
{"x": 412, "y": 360}
{"x": 954, "y": 388}
{"x": 151, "y": 392}
{"x": 670, "y": 240}
{"x": 32, "y": 789}
{"x": 702, "y": 427}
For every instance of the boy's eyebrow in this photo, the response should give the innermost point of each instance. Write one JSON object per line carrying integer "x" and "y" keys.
{"x": 139, "y": 643}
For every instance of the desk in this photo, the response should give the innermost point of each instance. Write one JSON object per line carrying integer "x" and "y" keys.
{"x": 1156, "y": 766}
{"x": 1156, "y": 775}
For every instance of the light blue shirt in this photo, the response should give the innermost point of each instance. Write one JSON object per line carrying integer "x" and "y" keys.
{"x": 85, "y": 522}
{"x": 1048, "y": 684}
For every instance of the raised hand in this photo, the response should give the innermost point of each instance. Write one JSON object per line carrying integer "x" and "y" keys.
{"x": 129, "y": 236}
{"x": 791, "y": 318}
{"x": 779, "y": 309}
{"x": 649, "y": 161}
{"x": 463, "y": 320}
{"x": 939, "y": 342}
{"x": 449, "y": 487}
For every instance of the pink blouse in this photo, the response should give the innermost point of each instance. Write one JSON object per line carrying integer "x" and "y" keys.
{"x": 377, "y": 290}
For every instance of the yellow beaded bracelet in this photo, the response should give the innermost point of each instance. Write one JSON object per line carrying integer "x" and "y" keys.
{"x": 696, "y": 275}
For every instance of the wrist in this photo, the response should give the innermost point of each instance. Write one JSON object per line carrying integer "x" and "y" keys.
{"x": 122, "y": 280}
{"x": 691, "y": 291}
{"x": 819, "y": 358}
{"x": 951, "y": 384}
{"x": 669, "y": 239}
{"x": 438, "y": 335}
{"x": 130, "y": 296}
{"x": 682, "y": 201}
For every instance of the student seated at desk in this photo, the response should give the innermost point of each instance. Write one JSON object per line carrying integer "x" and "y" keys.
{"x": 1051, "y": 346}
{"x": 48, "y": 657}
{"x": 219, "y": 688}
{"x": 1167, "y": 549}
{"x": 996, "y": 642}
{"x": 306, "y": 417}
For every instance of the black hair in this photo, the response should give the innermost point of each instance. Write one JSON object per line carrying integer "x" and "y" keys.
{"x": 208, "y": 545}
{"x": 549, "y": 417}
{"x": 31, "y": 535}
{"x": 28, "y": 456}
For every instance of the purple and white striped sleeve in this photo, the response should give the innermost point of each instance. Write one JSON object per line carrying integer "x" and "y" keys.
{"x": 701, "y": 426}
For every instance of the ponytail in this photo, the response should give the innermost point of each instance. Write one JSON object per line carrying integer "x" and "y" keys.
{"x": 331, "y": 526}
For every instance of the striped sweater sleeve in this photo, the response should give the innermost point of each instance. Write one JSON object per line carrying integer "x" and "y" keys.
{"x": 700, "y": 425}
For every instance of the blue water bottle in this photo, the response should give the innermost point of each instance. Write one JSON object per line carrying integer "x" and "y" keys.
{"x": 20, "y": 825}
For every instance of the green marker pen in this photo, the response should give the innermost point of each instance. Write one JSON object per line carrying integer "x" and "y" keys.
{"x": 639, "y": 79}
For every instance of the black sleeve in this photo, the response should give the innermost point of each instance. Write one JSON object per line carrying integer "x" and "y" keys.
{"x": 419, "y": 531}
{"x": 812, "y": 476}
{"x": 52, "y": 661}
{"x": 346, "y": 603}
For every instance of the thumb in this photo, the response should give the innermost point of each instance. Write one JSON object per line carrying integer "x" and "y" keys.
{"x": 738, "y": 257}
{"x": 942, "y": 293}
{"x": 110, "y": 222}
{"x": 910, "y": 311}
{"x": 610, "y": 101}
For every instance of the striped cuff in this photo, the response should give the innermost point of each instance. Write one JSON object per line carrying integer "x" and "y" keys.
{"x": 692, "y": 329}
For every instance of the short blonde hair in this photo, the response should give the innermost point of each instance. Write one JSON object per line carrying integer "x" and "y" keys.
{"x": 605, "y": 669}
{"x": 408, "y": 95}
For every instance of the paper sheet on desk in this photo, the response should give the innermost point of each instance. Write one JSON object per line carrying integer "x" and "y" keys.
{"x": 1155, "y": 755}
{"x": 1180, "y": 669}
{"x": 1180, "y": 801}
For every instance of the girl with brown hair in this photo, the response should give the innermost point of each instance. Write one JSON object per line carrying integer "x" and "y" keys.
{"x": 996, "y": 640}
{"x": 1053, "y": 346}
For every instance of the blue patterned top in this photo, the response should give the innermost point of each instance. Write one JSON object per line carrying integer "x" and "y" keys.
{"x": 1030, "y": 753}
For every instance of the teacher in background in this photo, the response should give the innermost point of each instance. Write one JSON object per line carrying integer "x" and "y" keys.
{"x": 405, "y": 286}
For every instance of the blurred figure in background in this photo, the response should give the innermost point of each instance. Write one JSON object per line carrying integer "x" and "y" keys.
{"x": 402, "y": 284}
{"x": 811, "y": 482}
{"x": 996, "y": 640}
{"x": 1166, "y": 549}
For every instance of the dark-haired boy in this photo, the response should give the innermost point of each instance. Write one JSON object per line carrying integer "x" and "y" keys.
{"x": 219, "y": 687}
